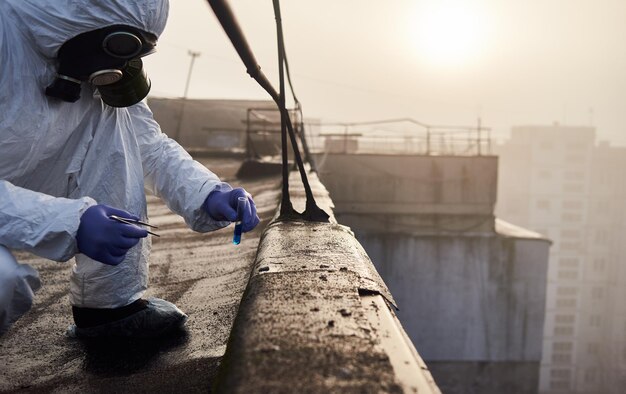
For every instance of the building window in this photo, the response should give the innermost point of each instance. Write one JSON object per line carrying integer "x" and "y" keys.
{"x": 602, "y": 237}
{"x": 595, "y": 320}
{"x": 575, "y": 159}
{"x": 571, "y": 217}
{"x": 568, "y": 275}
{"x": 516, "y": 206}
{"x": 599, "y": 264}
{"x": 561, "y": 358}
{"x": 566, "y": 303}
{"x": 591, "y": 375}
{"x": 543, "y": 204}
{"x": 546, "y": 145}
{"x": 597, "y": 293}
{"x": 570, "y": 234}
{"x": 602, "y": 207}
{"x": 573, "y": 188}
{"x": 593, "y": 348}
{"x": 559, "y": 385}
{"x": 545, "y": 174}
{"x": 568, "y": 262}
{"x": 572, "y": 204}
{"x": 574, "y": 175}
{"x": 565, "y": 319}
{"x": 567, "y": 291}
{"x": 558, "y": 373}
{"x": 570, "y": 246}
{"x": 562, "y": 346}
{"x": 563, "y": 331}
{"x": 576, "y": 146}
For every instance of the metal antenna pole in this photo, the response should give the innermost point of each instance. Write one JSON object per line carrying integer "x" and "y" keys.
{"x": 193, "y": 55}
{"x": 478, "y": 137}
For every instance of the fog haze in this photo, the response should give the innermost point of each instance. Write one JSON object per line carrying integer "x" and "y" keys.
{"x": 511, "y": 63}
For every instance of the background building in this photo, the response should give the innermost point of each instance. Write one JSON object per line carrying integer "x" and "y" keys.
{"x": 215, "y": 124}
{"x": 470, "y": 287}
{"x": 555, "y": 180}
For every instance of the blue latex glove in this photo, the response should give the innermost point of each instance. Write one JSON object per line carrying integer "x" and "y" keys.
{"x": 222, "y": 205}
{"x": 104, "y": 239}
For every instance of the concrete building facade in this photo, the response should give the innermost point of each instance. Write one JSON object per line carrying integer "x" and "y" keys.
{"x": 555, "y": 180}
{"x": 216, "y": 124}
{"x": 470, "y": 287}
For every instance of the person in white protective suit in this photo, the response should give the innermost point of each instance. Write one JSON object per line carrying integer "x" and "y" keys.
{"x": 77, "y": 146}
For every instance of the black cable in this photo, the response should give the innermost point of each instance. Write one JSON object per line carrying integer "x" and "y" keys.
{"x": 312, "y": 212}
{"x": 284, "y": 210}
{"x": 305, "y": 146}
{"x": 227, "y": 19}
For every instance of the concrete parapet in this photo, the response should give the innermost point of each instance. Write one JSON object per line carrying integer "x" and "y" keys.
{"x": 410, "y": 184}
{"x": 316, "y": 317}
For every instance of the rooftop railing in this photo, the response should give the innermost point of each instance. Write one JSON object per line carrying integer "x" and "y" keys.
{"x": 400, "y": 136}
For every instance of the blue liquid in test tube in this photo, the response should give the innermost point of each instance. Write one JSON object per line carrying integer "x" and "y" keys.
{"x": 241, "y": 206}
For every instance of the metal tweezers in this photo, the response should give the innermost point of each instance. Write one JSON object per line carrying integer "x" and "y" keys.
{"x": 133, "y": 221}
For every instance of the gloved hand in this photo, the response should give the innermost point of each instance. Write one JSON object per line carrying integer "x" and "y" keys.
{"x": 104, "y": 239}
{"x": 222, "y": 205}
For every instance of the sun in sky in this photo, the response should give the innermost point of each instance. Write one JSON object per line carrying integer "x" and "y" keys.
{"x": 449, "y": 33}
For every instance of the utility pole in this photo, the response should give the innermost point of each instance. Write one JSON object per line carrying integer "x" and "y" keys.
{"x": 193, "y": 55}
{"x": 478, "y": 136}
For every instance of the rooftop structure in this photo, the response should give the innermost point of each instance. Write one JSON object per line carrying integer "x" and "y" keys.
{"x": 472, "y": 286}
{"x": 218, "y": 125}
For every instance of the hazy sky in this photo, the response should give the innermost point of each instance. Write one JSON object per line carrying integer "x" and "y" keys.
{"x": 439, "y": 61}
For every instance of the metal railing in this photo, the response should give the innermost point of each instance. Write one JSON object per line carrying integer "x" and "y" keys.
{"x": 399, "y": 136}
{"x": 263, "y": 130}
{"x": 392, "y": 136}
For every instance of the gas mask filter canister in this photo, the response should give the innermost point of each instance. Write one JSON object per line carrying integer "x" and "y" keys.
{"x": 109, "y": 59}
{"x": 132, "y": 86}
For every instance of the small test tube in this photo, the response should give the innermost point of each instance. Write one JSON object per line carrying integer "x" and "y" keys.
{"x": 241, "y": 206}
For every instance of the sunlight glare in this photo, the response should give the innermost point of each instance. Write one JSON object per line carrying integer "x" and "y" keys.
{"x": 449, "y": 33}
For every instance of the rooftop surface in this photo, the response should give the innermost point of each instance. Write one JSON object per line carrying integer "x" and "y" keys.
{"x": 297, "y": 307}
{"x": 204, "y": 274}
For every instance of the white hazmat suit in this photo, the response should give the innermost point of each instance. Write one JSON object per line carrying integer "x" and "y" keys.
{"x": 58, "y": 158}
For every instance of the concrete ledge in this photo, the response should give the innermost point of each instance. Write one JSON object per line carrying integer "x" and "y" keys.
{"x": 321, "y": 250}
{"x": 310, "y": 322}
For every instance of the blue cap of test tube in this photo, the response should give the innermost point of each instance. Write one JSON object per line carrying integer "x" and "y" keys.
{"x": 242, "y": 203}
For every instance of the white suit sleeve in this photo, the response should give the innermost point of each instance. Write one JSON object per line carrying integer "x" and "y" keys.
{"x": 171, "y": 173}
{"x": 39, "y": 223}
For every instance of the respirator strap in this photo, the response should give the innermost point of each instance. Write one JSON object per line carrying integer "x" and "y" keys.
{"x": 65, "y": 77}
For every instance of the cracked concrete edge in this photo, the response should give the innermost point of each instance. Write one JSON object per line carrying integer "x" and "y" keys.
{"x": 340, "y": 251}
{"x": 303, "y": 324}
{"x": 369, "y": 278}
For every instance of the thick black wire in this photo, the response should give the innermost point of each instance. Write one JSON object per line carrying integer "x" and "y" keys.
{"x": 305, "y": 146}
{"x": 224, "y": 14}
{"x": 285, "y": 210}
{"x": 312, "y": 212}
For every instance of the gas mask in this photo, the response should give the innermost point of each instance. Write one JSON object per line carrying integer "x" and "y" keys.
{"x": 108, "y": 58}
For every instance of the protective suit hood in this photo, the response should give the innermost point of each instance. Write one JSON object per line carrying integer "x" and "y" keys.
{"x": 50, "y": 23}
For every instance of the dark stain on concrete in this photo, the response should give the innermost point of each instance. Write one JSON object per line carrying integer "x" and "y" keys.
{"x": 320, "y": 337}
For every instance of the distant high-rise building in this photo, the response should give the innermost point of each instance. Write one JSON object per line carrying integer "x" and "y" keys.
{"x": 557, "y": 181}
